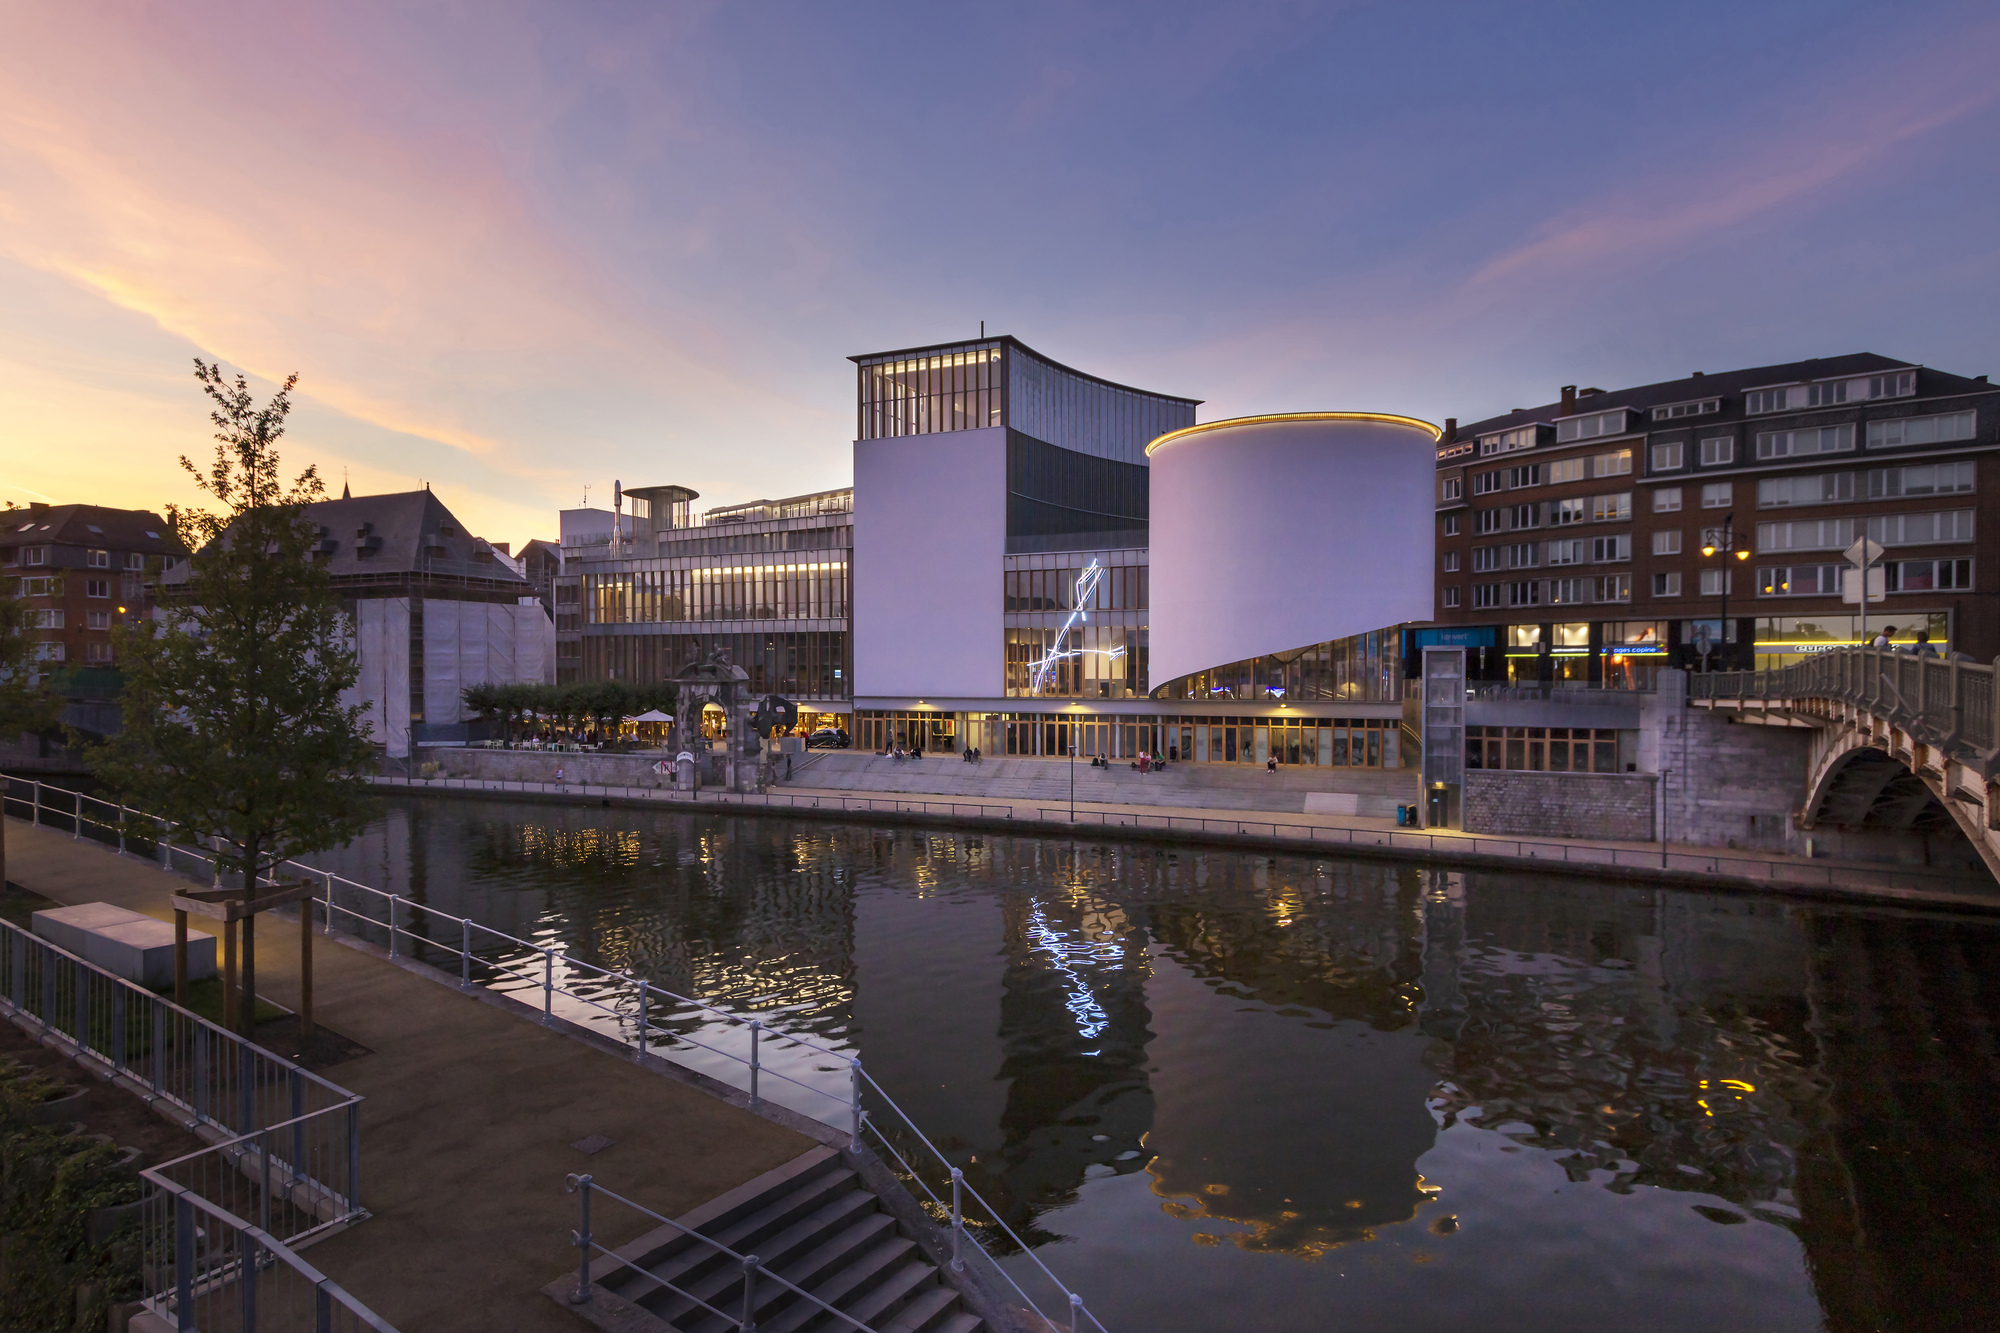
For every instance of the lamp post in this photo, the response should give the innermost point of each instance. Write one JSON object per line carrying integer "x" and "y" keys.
{"x": 1725, "y": 541}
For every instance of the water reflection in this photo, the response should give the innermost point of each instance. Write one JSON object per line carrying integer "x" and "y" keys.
{"x": 1391, "y": 1097}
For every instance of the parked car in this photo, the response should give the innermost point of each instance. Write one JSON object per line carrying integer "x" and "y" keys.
{"x": 828, "y": 738}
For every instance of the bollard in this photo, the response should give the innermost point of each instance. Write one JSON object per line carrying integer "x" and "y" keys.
{"x": 756, "y": 1065}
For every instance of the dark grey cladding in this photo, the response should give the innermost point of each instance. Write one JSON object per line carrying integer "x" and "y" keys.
{"x": 1059, "y": 499}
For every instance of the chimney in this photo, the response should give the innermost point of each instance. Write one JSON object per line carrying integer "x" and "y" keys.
{"x": 1569, "y": 400}
{"x": 504, "y": 548}
{"x": 38, "y": 507}
{"x": 1450, "y": 429}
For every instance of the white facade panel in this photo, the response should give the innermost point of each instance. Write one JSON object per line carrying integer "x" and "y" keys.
{"x": 1271, "y": 534}
{"x": 930, "y": 537}
{"x": 382, "y": 643}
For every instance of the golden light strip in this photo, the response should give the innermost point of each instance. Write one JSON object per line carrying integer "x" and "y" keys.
{"x": 1381, "y": 418}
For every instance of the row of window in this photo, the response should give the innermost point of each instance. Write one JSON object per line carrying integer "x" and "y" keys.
{"x": 52, "y": 585}
{"x": 1898, "y": 576}
{"x": 35, "y": 556}
{"x": 1601, "y": 588}
{"x": 1117, "y": 588}
{"x": 1953, "y": 575}
{"x": 1830, "y": 393}
{"x": 52, "y": 650}
{"x": 746, "y": 592}
{"x": 56, "y": 618}
{"x": 1551, "y": 513}
{"x": 1543, "y": 749}
{"x": 1837, "y": 534}
{"x": 1954, "y": 478}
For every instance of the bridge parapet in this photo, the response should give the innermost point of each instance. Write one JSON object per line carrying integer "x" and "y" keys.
{"x": 1942, "y": 702}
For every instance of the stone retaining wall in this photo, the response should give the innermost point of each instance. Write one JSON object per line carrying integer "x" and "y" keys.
{"x": 1616, "y": 807}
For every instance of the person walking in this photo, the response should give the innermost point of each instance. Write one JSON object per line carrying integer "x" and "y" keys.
{"x": 1881, "y": 639}
{"x": 1923, "y": 648}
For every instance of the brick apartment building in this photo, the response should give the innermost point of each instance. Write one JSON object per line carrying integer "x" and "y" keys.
{"x": 82, "y": 569}
{"x": 1570, "y": 537}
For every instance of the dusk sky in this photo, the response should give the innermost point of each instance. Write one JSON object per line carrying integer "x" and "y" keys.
{"x": 517, "y": 249}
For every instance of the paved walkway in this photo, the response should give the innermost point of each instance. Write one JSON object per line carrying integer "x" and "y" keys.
{"x": 470, "y": 1113}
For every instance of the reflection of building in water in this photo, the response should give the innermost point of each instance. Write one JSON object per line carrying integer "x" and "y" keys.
{"x": 1900, "y": 1180}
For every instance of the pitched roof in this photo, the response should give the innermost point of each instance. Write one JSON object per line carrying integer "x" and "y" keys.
{"x": 88, "y": 525}
{"x": 404, "y": 532}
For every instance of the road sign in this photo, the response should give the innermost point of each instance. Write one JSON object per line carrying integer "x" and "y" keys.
{"x": 1878, "y": 584}
{"x": 1864, "y": 553}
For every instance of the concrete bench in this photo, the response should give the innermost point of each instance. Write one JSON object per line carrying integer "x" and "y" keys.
{"x": 124, "y": 943}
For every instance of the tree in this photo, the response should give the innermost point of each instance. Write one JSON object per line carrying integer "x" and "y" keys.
{"x": 25, "y": 702}
{"x": 234, "y": 728}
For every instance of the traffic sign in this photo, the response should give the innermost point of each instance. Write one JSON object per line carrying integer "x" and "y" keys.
{"x": 1878, "y": 585}
{"x": 1865, "y": 552}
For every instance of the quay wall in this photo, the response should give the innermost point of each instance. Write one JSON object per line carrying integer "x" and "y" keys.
{"x": 1613, "y": 807}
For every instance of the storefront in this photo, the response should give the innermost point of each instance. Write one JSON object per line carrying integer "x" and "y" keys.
{"x": 1325, "y": 742}
{"x": 1783, "y": 640}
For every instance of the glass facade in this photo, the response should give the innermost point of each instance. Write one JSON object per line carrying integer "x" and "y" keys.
{"x": 805, "y": 590}
{"x": 1325, "y": 742}
{"x": 1782, "y": 640}
{"x": 999, "y": 382}
{"x": 1548, "y": 749}
{"x": 799, "y": 665}
{"x": 1364, "y": 668}
{"x": 1076, "y": 625}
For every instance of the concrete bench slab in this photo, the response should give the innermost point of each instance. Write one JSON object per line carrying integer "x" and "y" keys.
{"x": 124, "y": 943}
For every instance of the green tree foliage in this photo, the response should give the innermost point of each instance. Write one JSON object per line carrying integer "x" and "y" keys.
{"x": 603, "y": 703}
{"x": 26, "y": 705}
{"x": 233, "y": 727}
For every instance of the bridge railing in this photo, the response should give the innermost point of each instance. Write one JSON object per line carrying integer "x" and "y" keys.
{"x": 1946, "y": 702}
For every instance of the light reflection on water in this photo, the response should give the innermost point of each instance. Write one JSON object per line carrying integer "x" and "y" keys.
{"x": 1228, "y": 1091}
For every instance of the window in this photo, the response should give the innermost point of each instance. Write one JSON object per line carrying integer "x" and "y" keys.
{"x": 1667, "y": 585}
{"x": 1827, "y": 393}
{"x": 1804, "y": 443}
{"x": 98, "y": 619}
{"x": 1451, "y": 488}
{"x": 1542, "y": 749}
{"x": 1667, "y": 457}
{"x": 1485, "y": 594}
{"x": 1837, "y": 534}
{"x": 1928, "y": 575}
{"x": 1524, "y": 594}
{"x": 1506, "y": 442}
{"x": 1590, "y": 427}
{"x": 134, "y": 560}
{"x": 1615, "y": 464}
{"x": 1611, "y": 508}
{"x": 1528, "y": 474}
{"x": 1667, "y": 542}
{"x": 97, "y": 559}
{"x": 1486, "y": 558}
{"x": 1525, "y": 516}
{"x": 1813, "y": 489}
{"x": 1675, "y": 411}
{"x": 1604, "y": 549}
{"x": 1716, "y": 495}
{"x": 49, "y": 652}
{"x": 1448, "y": 598}
{"x": 1450, "y": 562}
{"x": 1485, "y": 483}
{"x": 1487, "y": 520}
{"x": 1568, "y": 511}
{"x": 1564, "y": 591}
{"x": 1717, "y": 450}
{"x": 34, "y": 555}
{"x": 97, "y": 587}
{"x": 1922, "y": 430}
{"x": 1799, "y": 581}
{"x": 44, "y": 585}
{"x": 48, "y": 619}
{"x": 1450, "y": 528}
{"x": 1667, "y": 500}
{"x": 1522, "y": 555}
{"x": 1566, "y": 552}
{"x": 1714, "y": 582}
{"x": 1568, "y": 469}
{"x": 1921, "y": 479}
{"x": 1614, "y": 588}
{"x": 97, "y": 652}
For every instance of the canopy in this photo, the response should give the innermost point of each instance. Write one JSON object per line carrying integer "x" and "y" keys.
{"x": 651, "y": 715}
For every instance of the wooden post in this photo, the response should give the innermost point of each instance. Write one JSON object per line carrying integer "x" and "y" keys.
{"x": 180, "y": 957}
{"x": 246, "y": 1004}
{"x": 305, "y": 968}
{"x": 229, "y": 974}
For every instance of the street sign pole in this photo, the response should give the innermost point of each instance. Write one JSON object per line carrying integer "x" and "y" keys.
{"x": 1863, "y": 555}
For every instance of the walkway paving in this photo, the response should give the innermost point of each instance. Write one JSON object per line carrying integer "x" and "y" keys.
{"x": 470, "y": 1115}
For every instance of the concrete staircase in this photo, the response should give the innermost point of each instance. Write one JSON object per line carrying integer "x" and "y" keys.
{"x": 812, "y": 1221}
{"x": 1047, "y": 781}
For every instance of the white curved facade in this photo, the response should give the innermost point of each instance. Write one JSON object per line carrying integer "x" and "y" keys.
{"x": 1272, "y": 533}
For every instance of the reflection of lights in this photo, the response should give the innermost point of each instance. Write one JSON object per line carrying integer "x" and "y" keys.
{"x": 1086, "y": 588}
{"x": 1090, "y": 1016}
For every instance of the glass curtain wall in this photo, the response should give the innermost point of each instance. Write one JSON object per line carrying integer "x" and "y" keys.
{"x": 1363, "y": 668}
{"x": 796, "y": 665}
{"x": 938, "y": 389}
{"x": 1054, "y": 652}
{"x": 1090, "y": 416}
{"x": 808, "y": 590}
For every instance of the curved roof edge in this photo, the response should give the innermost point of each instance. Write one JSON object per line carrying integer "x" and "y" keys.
{"x": 1012, "y": 341}
{"x": 1384, "y": 418}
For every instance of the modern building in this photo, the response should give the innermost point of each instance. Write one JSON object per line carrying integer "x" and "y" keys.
{"x": 1011, "y": 572}
{"x": 83, "y": 569}
{"x": 1704, "y": 521}
{"x": 435, "y": 610}
{"x": 648, "y": 592}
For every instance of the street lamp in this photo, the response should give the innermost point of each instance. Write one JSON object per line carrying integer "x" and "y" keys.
{"x": 1724, "y": 541}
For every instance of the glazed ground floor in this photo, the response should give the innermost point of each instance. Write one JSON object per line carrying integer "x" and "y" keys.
{"x": 1331, "y": 738}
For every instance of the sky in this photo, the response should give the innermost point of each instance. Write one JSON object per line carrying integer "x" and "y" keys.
{"x": 517, "y": 251}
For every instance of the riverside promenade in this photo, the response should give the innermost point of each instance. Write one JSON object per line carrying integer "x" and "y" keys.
{"x": 472, "y": 1107}
{"x": 1681, "y": 864}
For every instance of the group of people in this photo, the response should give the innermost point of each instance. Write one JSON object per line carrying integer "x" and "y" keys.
{"x": 1922, "y": 647}
{"x": 972, "y": 754}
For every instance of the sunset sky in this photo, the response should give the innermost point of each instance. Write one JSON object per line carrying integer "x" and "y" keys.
{"x": 515, "y": 250}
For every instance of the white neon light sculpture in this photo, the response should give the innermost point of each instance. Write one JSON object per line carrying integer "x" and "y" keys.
{"x": 1086, "y": 588}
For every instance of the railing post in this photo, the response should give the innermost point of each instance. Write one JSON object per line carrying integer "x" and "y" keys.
{"x": 392, "y": 925}
{"x": 37, "y": 816}
{"x": 581, "y": 1239}
{"x": 465, "y": 953}
{"x": 756, "y": 1059}
{"x": 957, "y": 1219}
{"x": 353, "y": 1158}
{"x": 748, "y": 1324}
{"x": 548, "y": 984}
{"x": 183, "y": 1264}
{"x": 854, "y": 1096}
{"x": 76, "y": 819}
{"x": 645, "y": 1016}
{"x": 122, "y": 816}
{"x": 329, "y": 902}
{"x": 1075, "y": 1312}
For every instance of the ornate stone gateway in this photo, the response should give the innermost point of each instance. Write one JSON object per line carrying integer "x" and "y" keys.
{"x": 716, "y": 680}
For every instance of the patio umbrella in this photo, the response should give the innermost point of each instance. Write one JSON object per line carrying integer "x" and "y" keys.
{"x": 651, "y": 715}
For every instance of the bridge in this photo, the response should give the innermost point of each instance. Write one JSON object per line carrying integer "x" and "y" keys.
{"x": 1900, "y": 742}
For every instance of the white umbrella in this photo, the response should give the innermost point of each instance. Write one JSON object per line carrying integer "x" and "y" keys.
{"x": 650, "y": 715}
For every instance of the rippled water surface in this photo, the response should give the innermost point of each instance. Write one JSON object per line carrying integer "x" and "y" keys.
{"x": 1227, "y": 1091}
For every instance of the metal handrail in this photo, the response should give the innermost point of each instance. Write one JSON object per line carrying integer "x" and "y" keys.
{"x": 1947, "y": 702}
{"x": 174, "y": 857}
